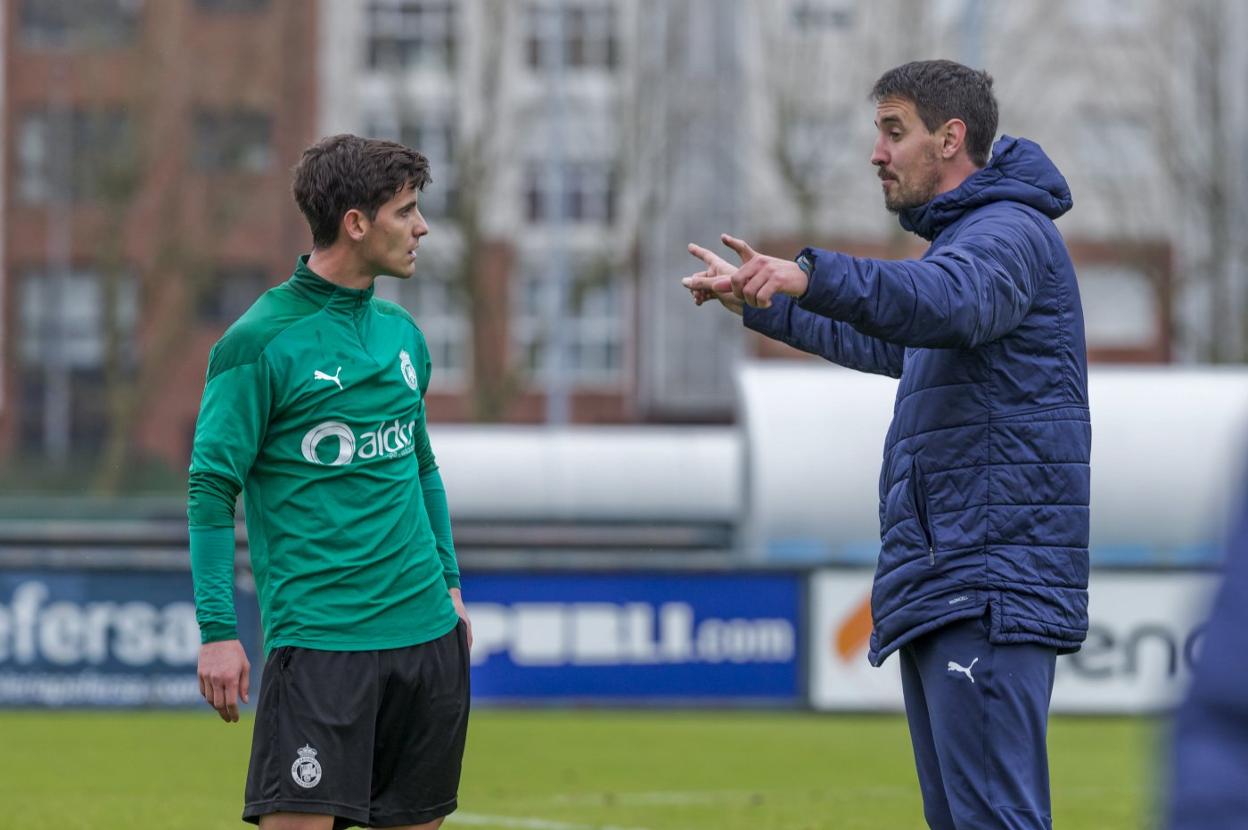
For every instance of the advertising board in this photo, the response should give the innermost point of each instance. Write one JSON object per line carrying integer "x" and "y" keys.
{"x": 1143, "y": 637}
{"x": 103, "y": 638}
{"x": 636, "y": 637}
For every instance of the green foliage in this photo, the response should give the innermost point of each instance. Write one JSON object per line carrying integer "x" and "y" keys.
{"x": 565, "y": 769}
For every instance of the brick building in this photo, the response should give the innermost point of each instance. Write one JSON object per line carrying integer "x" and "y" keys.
{"x": 576, "y": 146}
{"x": 147, "y": 203}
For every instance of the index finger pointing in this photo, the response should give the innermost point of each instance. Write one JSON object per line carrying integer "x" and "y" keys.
{"x": 702, "y": 253}
{"x": 742, "y": 248}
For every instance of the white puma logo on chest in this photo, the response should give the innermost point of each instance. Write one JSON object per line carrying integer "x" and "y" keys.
{"x": 317, "y": 374}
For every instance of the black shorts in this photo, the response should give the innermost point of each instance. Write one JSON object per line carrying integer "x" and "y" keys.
{"x": 374, "y": 738}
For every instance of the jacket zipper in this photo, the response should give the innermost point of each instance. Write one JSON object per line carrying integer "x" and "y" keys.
{"x": 919, "y": 494}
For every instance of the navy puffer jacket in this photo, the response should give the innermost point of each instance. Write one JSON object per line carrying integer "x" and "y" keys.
{"x": 1210, "y": 755}
{"x": 985, "y": 482}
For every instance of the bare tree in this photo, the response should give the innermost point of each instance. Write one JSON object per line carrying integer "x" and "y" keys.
{"x": 171, "y": 270}
{"x": 1061, "y": 69}
{"x": 478, "y": 158}
{"x": 1202, "y": 156}
{"x": 1168, "y": 68}
{"x": 820, "y": 61}
{"x": 488, "y": 136}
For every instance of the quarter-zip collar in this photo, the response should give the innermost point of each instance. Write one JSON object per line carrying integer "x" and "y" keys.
{"x": 325, "y": 293}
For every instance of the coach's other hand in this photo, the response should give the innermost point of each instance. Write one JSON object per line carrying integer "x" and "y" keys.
{"x": 762, "y": 277}
{"x": 713, "y": 283}
{"x": 224, "y": 675}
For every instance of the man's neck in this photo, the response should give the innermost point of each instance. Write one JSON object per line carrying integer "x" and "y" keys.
{"x": 337, "y": 265}
{"x": 953, "y": 175}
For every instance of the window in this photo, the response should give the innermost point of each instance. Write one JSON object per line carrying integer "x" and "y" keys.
{"x": 586, "y": 193}
{"x": 410, "y": 34}
{"x": 593, "y": 324}
{"x": 65, "y": 325}
{"x": 231, "y": 292}
{"x": 233, "y": 141}
{"x": 821, "y": 15}
{"x": 433, "y": 137}
{"x": 231, "y": 5}
{"x": 1102, "y": 15}
{"x": 79, "y": 23}
{"x": 68, "y": 320}
{"x": 1120, "y": 307}
{"x": 439, "y": 307}
{"x": 84, "y": 408}
{"x": 33, "y": 173}
{"x": 99, "y": 147}
{"x": 578, "y": 35}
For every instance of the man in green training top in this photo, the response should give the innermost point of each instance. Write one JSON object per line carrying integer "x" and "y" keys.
{"x": 314, "y": 408}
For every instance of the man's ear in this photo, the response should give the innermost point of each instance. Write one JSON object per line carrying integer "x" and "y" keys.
{"x": 355, "y": 224}
{"x": 952, "y": 137}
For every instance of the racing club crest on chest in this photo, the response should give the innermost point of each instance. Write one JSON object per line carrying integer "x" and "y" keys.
{"x": 409, "y": 371}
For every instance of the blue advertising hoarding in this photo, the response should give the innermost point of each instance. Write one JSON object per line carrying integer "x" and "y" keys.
{"x": 103, "y": 638}
{"x": 636, "y": 637}
{"x": 100, "y": 638}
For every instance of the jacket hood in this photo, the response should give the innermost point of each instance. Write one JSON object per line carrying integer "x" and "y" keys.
{"x": 1018, "y": 171}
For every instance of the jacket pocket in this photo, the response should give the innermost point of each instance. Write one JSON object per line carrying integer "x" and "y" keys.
{"x": 918, "y": 492}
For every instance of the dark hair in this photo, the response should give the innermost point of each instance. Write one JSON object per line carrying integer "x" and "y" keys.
{"x": 941, "y": 90}
{"x": 344, "y": 171}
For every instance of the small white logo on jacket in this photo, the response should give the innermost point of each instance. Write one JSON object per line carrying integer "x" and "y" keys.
{"x": 409, "y": 371}
{"x": 306, "y": 770}
{"x": 317, "y": 374}
{"x": 964, "y": 669}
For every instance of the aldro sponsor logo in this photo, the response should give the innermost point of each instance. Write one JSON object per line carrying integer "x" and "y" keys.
{"x": 334, "y": 444}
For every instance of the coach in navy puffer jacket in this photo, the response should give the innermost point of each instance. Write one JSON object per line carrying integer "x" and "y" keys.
{"x": 983, "y": 569}
{"x": 984, "y": 487}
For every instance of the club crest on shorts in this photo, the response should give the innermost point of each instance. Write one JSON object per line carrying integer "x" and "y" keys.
{"x": 306, "y": 770}
{"x": 409, "y": 371}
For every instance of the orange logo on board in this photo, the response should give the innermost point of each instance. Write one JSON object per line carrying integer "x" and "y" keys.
{"x": 854, "y": 633}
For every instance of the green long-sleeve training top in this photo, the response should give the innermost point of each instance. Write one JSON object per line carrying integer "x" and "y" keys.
{"x": 314, "y": 408}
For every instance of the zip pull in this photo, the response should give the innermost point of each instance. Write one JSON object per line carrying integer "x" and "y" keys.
{"x": 931, "y": 555}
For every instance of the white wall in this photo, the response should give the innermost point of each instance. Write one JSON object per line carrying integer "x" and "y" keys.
{"x": 1168, "y": 448}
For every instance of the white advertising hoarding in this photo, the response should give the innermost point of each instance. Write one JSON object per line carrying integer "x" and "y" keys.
{"x": 1143, "y": 635}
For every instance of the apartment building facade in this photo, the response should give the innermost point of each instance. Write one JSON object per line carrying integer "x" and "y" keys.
{"x": 576, "y": 147}
{"x": 146, "y": 182}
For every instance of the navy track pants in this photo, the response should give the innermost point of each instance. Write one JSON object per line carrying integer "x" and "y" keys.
{"x": 978, "y": 717}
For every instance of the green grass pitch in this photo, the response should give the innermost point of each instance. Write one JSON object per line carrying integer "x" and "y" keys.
{"x": 567, "y": 770}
